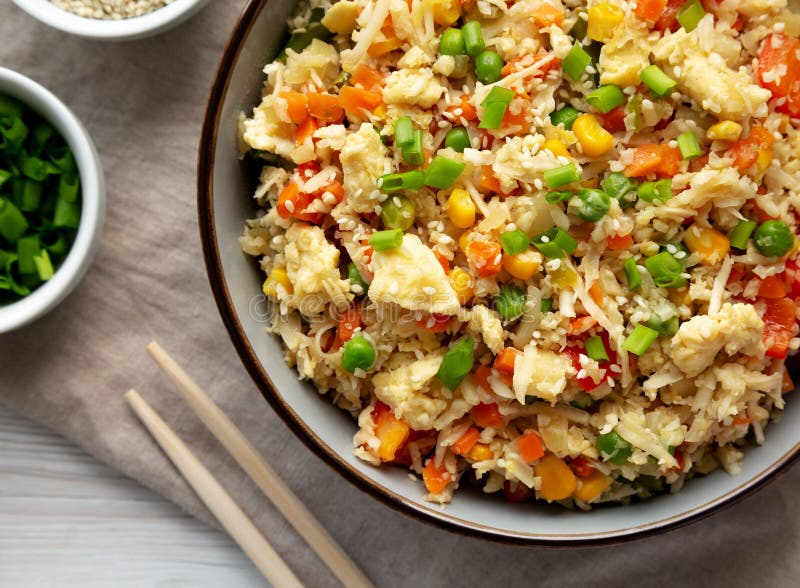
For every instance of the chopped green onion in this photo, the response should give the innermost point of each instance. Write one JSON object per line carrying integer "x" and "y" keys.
{"x": 555, "y": 243}
{"x": 565, "y": 116}
{"x": 514, "y": 242}
{"x": 383, "y": 240}
{"x": 546, "y": 305}
{"x": 612, "y": 447}
{"x": 510, "y": 302}
{"x": 606, "y": 98}
{"x": 595, "y": 349}
{"x": 457, "y": 363}
{"x": 11, "y": 107}
{"x": 773, "y": 238}
{"x": 473, "y": 37}
{"x": 412, "y": 153}
{"x": 357, "y": 353}
{"x": 639, "y": 340}
{"x": 665, "y": 270}
{"x": 740, "y": 235}
{"x": 67, "y": 214}
{"x": 31, "y": 195}
{"x": 667, "y": 327}
{"x": 581, "y": 27}
{"x": 660, "y": 84}
{"x": 5, "y": 176}
{"x": 494, "y": 107}
{"x": 632, "y": 274}
{"x": 68, "y": 187}
{"x": 652, "y": 191}
{"x": 41, "y": 133}
{"x": 689, "y": 145}
{"x": 12, "y": 222}
{"x": 452, "y": 42}
{"x": 576, "y": 62}
{"x": 488, "y": 66}
{"x": 27, "y": 247}
{"x": 442, "y": 172}
{"x": 690, "y": 14}
{"x": 410, "y": 180}
{"x": 556, "y": 197}
{"x": 620, "y": 188}
{"x": 560, "y": 176}
{"x": 457, "y": 139}
{"x": 44, "y": 267}
{"x": 398, "y": 212}
{"x": 34, "y": 168}
{"x": 404, "y": 132}
{"x": 355, "y": 278}
{"x": 589, "y": 204}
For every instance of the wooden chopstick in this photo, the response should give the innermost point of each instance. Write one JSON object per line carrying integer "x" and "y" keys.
{"x": 237, "y": 445}
{"x": 215, "y": 497}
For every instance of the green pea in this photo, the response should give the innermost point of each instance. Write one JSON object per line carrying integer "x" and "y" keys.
{"x": 589, "y": 204}
{"x": 398, "y": 212}
{"x": 488, "y": 66}
{"x": 457, "y": 363}
{"x": 510, "y": 302}
{"x": 355, "y": 278}
{"x": 357, "y": 353}
{"x": 612, "y": 447}
{"x": 458, "y": 139}
{"x": 773, "y": 238}
{"x": 621, "y": 188}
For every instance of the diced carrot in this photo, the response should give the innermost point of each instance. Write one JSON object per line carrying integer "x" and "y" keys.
{"x": 772, "y": 287}
{"x": 558, "y": 481}
{"x": 581, "y": 324}
{"x": 596, "y": 292}
{"x": 592, "y": 486}
{"x": 787, "y": 385}
{"x": 292, "y": 202}
{"x": 289, "y": 194}
{"x": 335, "y": 189}
{"x": 547, "y": 14}
{"x": 485, "y": 256}
{"x": 355, "y": 101}
{"x": 391, "y": 431}
{"x": 390, "y": 42}
{"x": 463, "y": 109}
{"x": 436, "y": 478}
{"x": 488, "y": 182}
{"x": 504, "y": 362}
{"x": 367, "y": 77}
{"x": 530, "y": 446}
{"x": 670, "y": 163}
{"x": 466, "y": 442}
{"x": 481, "y": 377}
{"x": 741, "y": 420}
{"x": 434, "y": 323}
{"x": 668, "y": 21}
{"x": 349, "y": 321}
{"x": 325, "y": 107}
{"x": 614, "y": 121}
{"x": 737, "y": 273}
{"x": 780, "y": 53}
{"x": 779, "y": 320}
{"x": 296, "y": 105}
{"x": 519, "y": 119}
{"x": 620, "y": 242}
{"x": 681, "y": 459}
{"x": 520, "y": 63}
{"x": 305, "y": 130}
{"x": 646, "y": 160}
{"x": 581, "y": 466}
{"x": 487, "y": 415}
{"x": 744, "y": 152}
{"x": 443, "y": 261}
{"x": 650, "y": 10}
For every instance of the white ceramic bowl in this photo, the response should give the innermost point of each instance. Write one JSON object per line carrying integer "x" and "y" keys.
{"x": 93, "y": 195}
{"x": 112, "y": 30}
{"x": 225, "y": 185}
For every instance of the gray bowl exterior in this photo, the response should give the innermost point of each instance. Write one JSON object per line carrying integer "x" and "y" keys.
{"x": 225, "y": 201}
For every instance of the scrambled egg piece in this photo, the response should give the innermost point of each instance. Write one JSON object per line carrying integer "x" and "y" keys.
{"x": 704, "y": 76}
{"x": 403, "y": 390}
{"x": 312, "y": 265}
{"x": 318, "y": 63}
{"x": 722, "y": 187}
{"x": 540, "y": 373}
{"x": 363, "y": 160}
{"x": 411, "y": 277}
{"x": 523, "y": 159}
{"x": 413, "y": 86}
{"x": 625, "y": 55}
{"x": 486, "y": 323}
{"x": 266, "y": 132}
{"x": 736, "y": 327}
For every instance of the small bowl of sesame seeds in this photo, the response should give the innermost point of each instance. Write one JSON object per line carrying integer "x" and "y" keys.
{"x": 111, "y": 20}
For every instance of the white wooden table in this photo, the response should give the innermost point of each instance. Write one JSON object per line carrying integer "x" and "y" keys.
{"x": 68, "y": 521}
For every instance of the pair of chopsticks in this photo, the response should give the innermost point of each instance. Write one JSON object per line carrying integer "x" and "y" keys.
{"x": 217, "y": 499}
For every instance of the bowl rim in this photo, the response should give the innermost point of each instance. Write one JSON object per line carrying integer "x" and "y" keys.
{"x": 111, "y": 30}
{"x": 428, "y": 515}
{"x": 47, "y": 296}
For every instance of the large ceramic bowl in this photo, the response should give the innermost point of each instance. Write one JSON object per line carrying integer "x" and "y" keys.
{"x": 224, "y": 200}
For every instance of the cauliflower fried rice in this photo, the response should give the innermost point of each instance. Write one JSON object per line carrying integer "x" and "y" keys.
{"x": 547, "y": 246}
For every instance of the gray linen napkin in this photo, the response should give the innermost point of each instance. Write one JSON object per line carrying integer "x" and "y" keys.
{"x": 143, "y": 103}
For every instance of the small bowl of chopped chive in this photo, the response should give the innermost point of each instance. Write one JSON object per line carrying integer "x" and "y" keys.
{"x": 52, "y": 200}
{"x": 112, "y": 20}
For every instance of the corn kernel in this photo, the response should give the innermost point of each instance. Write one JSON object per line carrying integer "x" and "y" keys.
{"x": 463, "y": 240}
{"x": 556, "y": 147}
{"x": 592, "y": 486}
{"x": 446, "y": 12}
{"x": 594, "y": 139}
{"x": 680, "y": 296}
{"x": 277, "y": 277}
{"x": 726, "y": 130}
{"x": 710, "y": 244}
{"x": 764, "y": 160}
{"x": 563, "y": 276}
{"x": 480, "y": 452}
{"x": 461, "y": 209}
{"x": 463, "y": 283}
{"x": 558, "y": 481}
{"x": 523, "y": 265}
{"x": 603, "y": 19}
